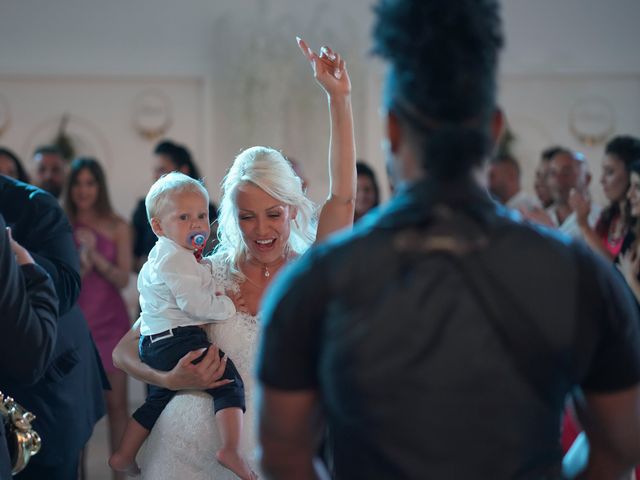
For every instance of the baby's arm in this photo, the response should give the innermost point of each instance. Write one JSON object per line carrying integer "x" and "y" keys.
{"x": 238, "y": 300}
{"x": 195, "y": 291}
{"x": 202, "y": 302}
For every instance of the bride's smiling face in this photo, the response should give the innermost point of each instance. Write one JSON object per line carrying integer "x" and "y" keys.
{"x": 264, "y": 221}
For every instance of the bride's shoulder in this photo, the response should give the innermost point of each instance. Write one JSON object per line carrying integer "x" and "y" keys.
{"x": 221, "y": 270}
{"x": 215, "y": 259}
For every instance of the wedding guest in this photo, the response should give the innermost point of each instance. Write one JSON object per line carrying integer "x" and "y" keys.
{"x": 67, "y": 400}
{"x": 613, "y": 224}
{"x": 541, "y": 182}
{"x": 168, "y": 157}
{"x": 445, "y": 363}
{"x": 11, "y": 166}
{"x": 368, "y": 196}
{"x": 569, "y": 176}
{"x": 504, "y": 184}
{"x": 104, "y": 240}
{"x": 629, "y": 258}
{"x": 50, "y": 169}
{"x": 29, "y": 309}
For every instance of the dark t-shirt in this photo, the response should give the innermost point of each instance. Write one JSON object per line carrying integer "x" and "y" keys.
{"x": 414, "y": 379}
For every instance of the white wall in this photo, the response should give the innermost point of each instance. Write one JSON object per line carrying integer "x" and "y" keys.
{"x": 255, "y": 87}
{"x": 538, "y": 109}
{"x": 101, "y": 123}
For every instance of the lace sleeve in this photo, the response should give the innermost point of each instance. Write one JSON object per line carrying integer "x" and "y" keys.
{"x": 222, "y": 275}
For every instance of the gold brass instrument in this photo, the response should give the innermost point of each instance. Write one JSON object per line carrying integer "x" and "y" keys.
{"x": 22, "y": 439}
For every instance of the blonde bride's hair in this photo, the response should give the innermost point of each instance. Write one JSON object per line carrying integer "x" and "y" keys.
{"x": 270, "y": 171}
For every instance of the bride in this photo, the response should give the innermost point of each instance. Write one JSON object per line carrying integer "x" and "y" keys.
{"x": 265, "y": 221}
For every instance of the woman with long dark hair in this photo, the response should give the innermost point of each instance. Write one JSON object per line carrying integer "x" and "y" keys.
{"x": 168, "y": 157}
{"x": 104, "y": 240}
{"x": 11, "y": 166}
{"x": 613, "y": 224}
{"x": 368, "y": 191}
{"x": 629, "y": 258}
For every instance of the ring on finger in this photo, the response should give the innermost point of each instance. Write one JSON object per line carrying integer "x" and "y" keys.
{"x": 329, "y": 54}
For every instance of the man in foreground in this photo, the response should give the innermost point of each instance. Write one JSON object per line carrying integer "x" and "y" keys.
{"x": 432, "y": 338}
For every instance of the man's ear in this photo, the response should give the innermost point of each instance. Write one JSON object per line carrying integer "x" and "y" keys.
{"x": 587, "y": 179}
{"x": 498, "y": 125}
{"x": 156, "y": 226}
{"x": 184, "y": 169}
{"x": 393, "y": 131}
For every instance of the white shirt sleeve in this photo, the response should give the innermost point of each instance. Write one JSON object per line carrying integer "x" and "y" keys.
{"x": 194, "y": 289}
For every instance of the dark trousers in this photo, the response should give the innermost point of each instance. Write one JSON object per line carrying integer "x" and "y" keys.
{"x": 67, "y": 470}
{"x": 164, "y": 354}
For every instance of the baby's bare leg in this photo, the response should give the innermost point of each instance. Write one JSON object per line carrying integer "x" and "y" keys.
{"x": 230, "y": 427}
{"x": 124, "y": 459}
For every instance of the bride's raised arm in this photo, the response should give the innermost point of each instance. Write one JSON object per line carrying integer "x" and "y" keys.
{"x": 330, "y": 72}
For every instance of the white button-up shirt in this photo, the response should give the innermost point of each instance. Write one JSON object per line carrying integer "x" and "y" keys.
{"x": 570, "y": 225}
{"x": 523, "y": 201}
{"x": 177, "y": 291}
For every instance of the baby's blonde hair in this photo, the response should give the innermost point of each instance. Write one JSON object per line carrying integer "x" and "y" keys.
{"x": 166, "y": 186}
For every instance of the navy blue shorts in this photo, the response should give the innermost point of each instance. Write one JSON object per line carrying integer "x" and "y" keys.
{"x": 163, "y": 354}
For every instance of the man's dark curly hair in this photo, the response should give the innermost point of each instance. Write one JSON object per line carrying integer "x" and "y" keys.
{"x": 443, "y": 57}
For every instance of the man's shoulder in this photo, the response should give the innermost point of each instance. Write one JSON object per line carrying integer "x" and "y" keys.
{"x": 25, "y": 194}
{"x": 535, "y": 233}
{"x": 364, "y": 236}
{"x": 33, "y": 213}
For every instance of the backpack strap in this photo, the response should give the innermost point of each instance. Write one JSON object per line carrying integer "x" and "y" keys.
{"x": 517, "y": 331}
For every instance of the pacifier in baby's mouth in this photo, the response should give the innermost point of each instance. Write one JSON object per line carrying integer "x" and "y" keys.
{"x": 198, "y": 240}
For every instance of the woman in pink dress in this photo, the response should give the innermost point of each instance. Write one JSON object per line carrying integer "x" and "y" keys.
{"x": 104, "y": 242}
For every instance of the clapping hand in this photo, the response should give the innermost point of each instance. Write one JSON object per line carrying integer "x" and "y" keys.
{"x": 329, "y": 69}
{"x": 86, "y": 238}
{"x": 630, "y": 265}
{"x": 581, "y": 204}
{"x": 23, "y": 257}
{"x": 87, "y": 242}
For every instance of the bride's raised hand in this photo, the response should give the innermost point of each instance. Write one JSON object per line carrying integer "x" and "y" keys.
{"x": 329, "y": 69}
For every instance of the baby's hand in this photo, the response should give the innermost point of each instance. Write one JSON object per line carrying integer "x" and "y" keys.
{"x": 238, "y": 301}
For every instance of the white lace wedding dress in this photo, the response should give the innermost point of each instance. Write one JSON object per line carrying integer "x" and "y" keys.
{"x": 183, "y": 443}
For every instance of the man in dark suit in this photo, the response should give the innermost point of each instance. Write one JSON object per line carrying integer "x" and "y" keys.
{"x": 68, "y": 399}
{"x": 29, "y": 313}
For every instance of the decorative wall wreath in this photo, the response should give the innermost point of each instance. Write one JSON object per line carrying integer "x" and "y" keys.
{"x": 152, "y": 114}
{"x": 592, "y": 120}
